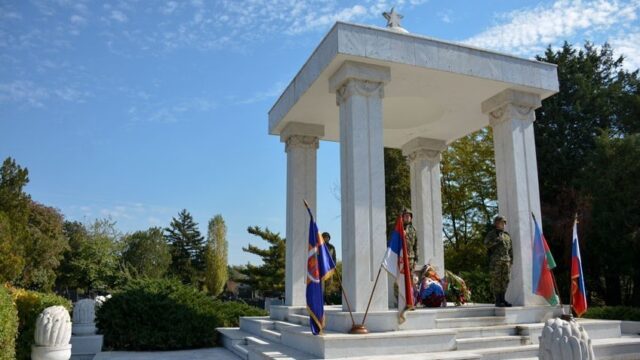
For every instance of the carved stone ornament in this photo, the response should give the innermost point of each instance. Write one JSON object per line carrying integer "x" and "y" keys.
{"x": 511, "y": 111}
{"x": 565, "y": 340}
{"x": 424, "y": 154}
{"x": 84, "y": 314}
{"x": 359, "y": 87}
{"x": 302, "y": 141}
{"x": 52, "y": 335}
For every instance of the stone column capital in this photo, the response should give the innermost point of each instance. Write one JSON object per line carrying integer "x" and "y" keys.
{"x": 301, "y": 135}
{"x": 359, "y": 87}
{"x": 511, "y": 104}
{"x": 424, "y": 149}
{"x": 355, "y": 78}
{"x": 301, "y": 142}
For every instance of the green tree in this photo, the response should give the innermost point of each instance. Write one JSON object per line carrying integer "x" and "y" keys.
{"x": 146, "y": 254}
{"x": 596, "y": 94}
{"x": 44, "y": 247}
{"x": 14, "y": 219}
{"x": 468, "y": 199}
{"x": 216, "y": 273}
{"x": 187, "y": 248}
{"x": 267, "y": 278}
{"x": 92, "y": 262}
{"x": 613, "y": 189}
{"x": 397, "y": 185}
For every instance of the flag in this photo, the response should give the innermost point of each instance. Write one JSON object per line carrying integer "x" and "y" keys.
{"x": 578, "y": 291}
{"x": 396, "y": 262}
{"x": 543, "y": 283}
{"x": 320, "y": 266}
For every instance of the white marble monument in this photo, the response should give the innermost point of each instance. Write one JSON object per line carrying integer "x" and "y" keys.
{"x": 52, "y": 335}
{"x": 565, "y": 340}
{"x": 86, "y": 343}
{"x": 368, "y": 88}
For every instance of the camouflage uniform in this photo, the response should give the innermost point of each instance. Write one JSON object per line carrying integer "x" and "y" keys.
{"x": 498, "y": 243}
{"x": 412, "y": 244}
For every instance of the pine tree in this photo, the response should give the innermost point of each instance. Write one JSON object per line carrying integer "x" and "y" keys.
{"x": 216, "y": 273}
{"x": 187, "y": 248}
{"x": 268, "y": 277}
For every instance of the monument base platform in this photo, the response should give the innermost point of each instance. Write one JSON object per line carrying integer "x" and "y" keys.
{"x": 465, "y": 332}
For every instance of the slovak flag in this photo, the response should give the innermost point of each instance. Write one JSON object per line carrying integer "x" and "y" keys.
{"x": 578, "y": 290}
{"x": 320, "y": 267}
{"x": 396, "y": 262}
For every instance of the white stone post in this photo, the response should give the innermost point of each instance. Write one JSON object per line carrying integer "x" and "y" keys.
{"x": 359, "y": 93}
{"x": 301, "y": 144}
{"x": 511, "y": 115}
{"x": 426, "y": 198}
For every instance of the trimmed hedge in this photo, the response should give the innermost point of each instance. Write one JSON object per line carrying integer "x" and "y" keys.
{"x": 230, "y": 312}
{"x": 613, "y": 313}
{"x": 8, "y": 325}
{"x": 158, "y": 314}
{"x": 30, "y": 304}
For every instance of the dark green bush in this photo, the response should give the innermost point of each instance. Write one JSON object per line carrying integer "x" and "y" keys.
{"x": 613, "y": 313}
{"x": 30, "y": 304}
{"x": 230, "y": 312}
{"x": 158, "y": 314}
{"x": 8, "y": 325}
{"x": 478, "y": 283}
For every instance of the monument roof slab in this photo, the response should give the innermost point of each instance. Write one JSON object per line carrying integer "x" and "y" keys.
{"x": 436, "y": 90}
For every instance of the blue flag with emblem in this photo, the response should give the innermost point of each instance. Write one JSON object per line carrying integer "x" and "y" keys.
{"x": 320, "y": 266}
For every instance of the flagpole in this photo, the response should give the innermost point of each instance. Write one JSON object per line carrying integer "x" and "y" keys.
{"x": 344, "y": 293}
{"x": 361, "y": 328}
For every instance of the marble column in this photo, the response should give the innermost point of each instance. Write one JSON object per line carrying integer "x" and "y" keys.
{"x": 426, "y": 199}
{"x": 301, "y": 144}
{"x": 511, "y": 115}
{"x": 359, "y": 92}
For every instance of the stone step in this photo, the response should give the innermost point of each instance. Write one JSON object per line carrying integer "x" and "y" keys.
{"x": 509, "y": 352}
{"x": 465, "y": 312}
{"x": 482, "y": 331}
{"x": 276, "y": 352}
{"x": 622, "y": 348}
{"x": 271, "y": 335}
{"x": 597, "y": 329}
{"x": 449, "y": 323}
{"x": 491, "y": 342}
{"x": 235, "y": 340}
{"x": 299, "y": 319}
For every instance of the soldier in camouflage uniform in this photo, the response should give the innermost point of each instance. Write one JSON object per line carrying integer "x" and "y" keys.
{"x": 498, "y": 243}
{"x": 410, "y": 235}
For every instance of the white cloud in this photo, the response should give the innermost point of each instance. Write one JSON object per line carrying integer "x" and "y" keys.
{"x": 32, "y": 94}
{"x": 628, "y": 45}
{"x": 162, "y": 113}
{"x": 445, "y": 16}
{"x": 169, "y": 7}
{"x": 78, "y": 20}
{"x": 530, "y": 30}
{"x": 271, "y": 93}
{"x": 119, "y": 16}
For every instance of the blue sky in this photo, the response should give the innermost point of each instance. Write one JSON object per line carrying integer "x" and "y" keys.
{"x": 135, "y": 110}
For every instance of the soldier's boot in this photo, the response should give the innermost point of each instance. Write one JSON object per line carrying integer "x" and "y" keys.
{"x": 499, "y": 302}
{"x": 506, "y": 303}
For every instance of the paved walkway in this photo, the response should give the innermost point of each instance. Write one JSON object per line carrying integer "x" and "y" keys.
{"x": 218, "y": 353}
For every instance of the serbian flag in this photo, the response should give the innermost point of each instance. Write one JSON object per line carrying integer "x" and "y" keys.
{"x": 578, "y": 291}
{"x": 396, "y": 262}
{"x": 543, "y": 283}
{"x": 320, "y": 267}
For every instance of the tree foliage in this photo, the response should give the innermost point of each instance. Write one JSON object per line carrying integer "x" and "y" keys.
{"x": 397, "y": 185}
{"x": 91, "y": 264}
{"x": 187, "y": 248}
{"x": 216, "y": 274}
{"x": 146, "y": 254}
{"x": 268, "y": 277}
{"x": 596, "y": 94}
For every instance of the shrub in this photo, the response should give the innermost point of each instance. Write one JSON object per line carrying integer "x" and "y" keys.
{"x": 230, "y": 312}
{"x": 8, "y": 325}
{"x": 30, "y": 304}
{"x": 613, "y": 313}
{"x": 158, "y": 314}
{"x": 478, "y": 282}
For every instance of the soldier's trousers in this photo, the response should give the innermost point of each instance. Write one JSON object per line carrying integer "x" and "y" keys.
{"x": 500, "y": 274}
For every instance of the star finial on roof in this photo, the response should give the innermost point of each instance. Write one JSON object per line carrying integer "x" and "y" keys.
{"x": 393, "y": 20}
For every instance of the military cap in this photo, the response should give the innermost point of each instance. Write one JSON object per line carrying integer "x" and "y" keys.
{"x": 326, "y": 234}
{"x": 407, "y": 211}
{"x": 499, "y": 218}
